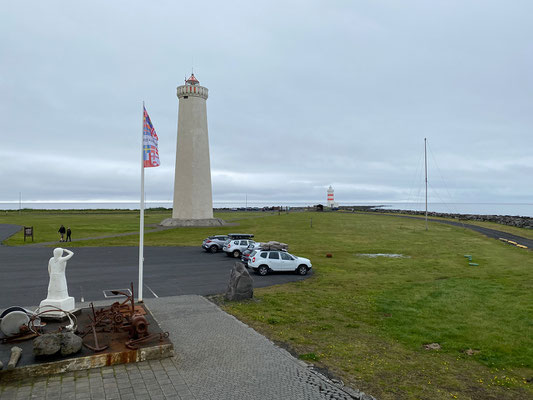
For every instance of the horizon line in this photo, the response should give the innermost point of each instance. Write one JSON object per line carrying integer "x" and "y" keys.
{"x": 242, "y": 201}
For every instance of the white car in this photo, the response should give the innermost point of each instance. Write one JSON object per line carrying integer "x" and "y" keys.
{"x": 264, "y": 261}
{"x": 236, "y": 247}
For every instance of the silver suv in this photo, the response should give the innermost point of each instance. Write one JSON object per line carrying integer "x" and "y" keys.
{"x": 236, "y": 247}
{"x": 214, "y": 243}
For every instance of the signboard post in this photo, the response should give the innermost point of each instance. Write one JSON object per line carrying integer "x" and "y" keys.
{"x": 28, "y": 231}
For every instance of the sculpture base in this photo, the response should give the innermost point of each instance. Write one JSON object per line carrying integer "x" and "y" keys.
{"x": 59, "y": 318}
{"x": 66, "y": 304}
{"x": 193, "y": 222}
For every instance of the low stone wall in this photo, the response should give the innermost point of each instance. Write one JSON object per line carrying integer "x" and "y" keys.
{"x": 519, "y": 222}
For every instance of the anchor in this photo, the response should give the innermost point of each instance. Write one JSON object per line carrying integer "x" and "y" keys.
{"x": 96, "y": 348}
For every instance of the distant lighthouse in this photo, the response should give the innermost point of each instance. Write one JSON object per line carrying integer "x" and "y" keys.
{"x": 331, "y": 200}
{"x": 193, "y": 201}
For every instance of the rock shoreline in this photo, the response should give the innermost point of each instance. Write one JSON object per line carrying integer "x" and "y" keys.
{"x": 510, "y": 220}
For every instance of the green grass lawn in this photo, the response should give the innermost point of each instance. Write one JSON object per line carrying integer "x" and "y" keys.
{"x": 84, "y": 223}
{"x": 96, "y": 223}
{"x": 366, "y": 320}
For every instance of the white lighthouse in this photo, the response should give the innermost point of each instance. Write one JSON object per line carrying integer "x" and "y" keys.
{"x": 330, "y": 198}
{"x": 193, "y": 201}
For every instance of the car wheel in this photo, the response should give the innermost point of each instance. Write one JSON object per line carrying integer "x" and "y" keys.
{"x": 301, "y": 270}
{"x": 213, "y": 249}
{"x": 262, "y": 270}
{"x": 236, "y": 253}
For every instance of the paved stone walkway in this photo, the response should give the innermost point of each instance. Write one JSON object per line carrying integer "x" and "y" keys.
{"x": 217, "y": 358}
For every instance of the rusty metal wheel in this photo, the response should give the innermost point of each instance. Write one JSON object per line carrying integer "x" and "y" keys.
{"x": 118, "y": 318}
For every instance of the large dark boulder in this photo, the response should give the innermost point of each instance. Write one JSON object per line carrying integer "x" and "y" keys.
{"x": 48, "y": 344}
{"x": 241, "y": 284}
{"x": 70, "y": 343}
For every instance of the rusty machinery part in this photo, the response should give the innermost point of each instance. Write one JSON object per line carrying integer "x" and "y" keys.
{"x": 106, "y": 317}
{"x": 139, "y": 327}
{"x": 111, "y": 318}
{"x": 133, "y": 344}
{"x": 118, "y": 318}
{"x": 129, "y": 298}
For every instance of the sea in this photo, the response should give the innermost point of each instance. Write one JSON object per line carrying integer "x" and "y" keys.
{"x": 514, "y": 209}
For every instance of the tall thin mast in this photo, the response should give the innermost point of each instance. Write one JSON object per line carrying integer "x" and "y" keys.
{"x": 426, "y": 169}
{"x": 141, "y": 223}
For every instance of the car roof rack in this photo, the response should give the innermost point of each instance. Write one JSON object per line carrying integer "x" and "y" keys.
{"x": 240, "y": 235}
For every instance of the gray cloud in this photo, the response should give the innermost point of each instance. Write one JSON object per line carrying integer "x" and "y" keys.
{"x": 302, "y": 95}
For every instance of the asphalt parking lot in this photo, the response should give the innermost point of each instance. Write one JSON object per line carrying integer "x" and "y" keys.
{"x": 168, "y": 271}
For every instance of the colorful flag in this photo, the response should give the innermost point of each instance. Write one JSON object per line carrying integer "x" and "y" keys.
{"x": 150, "y": 140}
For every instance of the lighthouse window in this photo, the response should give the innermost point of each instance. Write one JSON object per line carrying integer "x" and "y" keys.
{"x": 185, "y": 97}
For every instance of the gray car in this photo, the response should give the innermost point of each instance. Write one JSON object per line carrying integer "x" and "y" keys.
{"x": 214, "y": 243}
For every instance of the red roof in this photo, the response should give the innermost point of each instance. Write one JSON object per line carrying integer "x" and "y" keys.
{"x": 192, "y": 80}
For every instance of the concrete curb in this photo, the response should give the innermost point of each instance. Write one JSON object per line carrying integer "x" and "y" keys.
{"x": 93, "y": 361}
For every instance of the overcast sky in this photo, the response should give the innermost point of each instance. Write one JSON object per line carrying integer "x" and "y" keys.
{"x": 302, "y": 95}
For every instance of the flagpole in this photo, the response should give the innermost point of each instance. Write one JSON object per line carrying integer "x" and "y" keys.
{"x": 141, "y": 219}
{"x": 426, "y": 169}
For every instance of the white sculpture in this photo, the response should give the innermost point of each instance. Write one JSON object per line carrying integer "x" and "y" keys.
{"x": 57, "y": 287}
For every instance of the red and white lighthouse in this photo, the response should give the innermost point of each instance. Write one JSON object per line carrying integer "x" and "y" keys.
{"x": 331, "y": 199}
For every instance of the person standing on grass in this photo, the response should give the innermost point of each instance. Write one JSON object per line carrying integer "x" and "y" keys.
{"x": 69, "y": 232}
{"x": 61, "y": 232}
